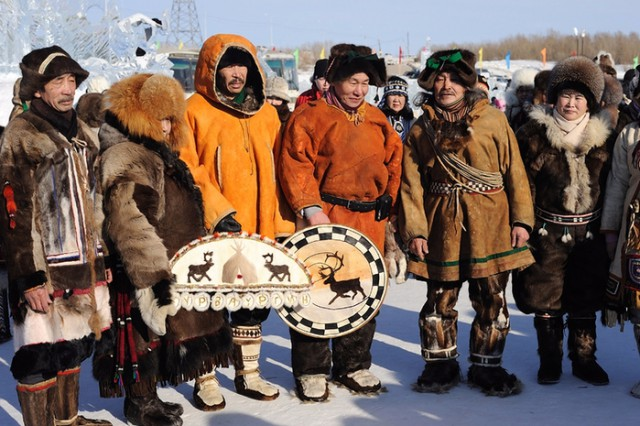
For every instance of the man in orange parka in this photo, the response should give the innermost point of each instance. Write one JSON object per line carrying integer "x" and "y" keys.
{"x": 340, "y": 160}
{"x": 232, "y": 162}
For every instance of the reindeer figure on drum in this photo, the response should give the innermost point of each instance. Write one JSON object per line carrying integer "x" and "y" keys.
{"x": 198, "y": 272}
{"x": 342, "y": 287}
{"x": 279, "y": 272}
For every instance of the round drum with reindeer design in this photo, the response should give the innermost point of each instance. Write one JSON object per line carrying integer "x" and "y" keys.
{"x": 349, "y": 281}
{"x": 238, "y": 270}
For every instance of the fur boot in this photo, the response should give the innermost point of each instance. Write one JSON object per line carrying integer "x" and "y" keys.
{"x": 37, "y": 402}
{"x": 149, "y": 410}
{"x": 246, "y": 353}
{"x": 635, "y": 391}
{"x": 5, "y": 325}
{"x": 550, "y": 334}
{"x": 66, "y": 407}
{"x": 439, "y": 376}
{"x": 493, "y": 380}
{"x": 312, "y": 387}
{"x": 582, "y": 349}
{"x": 360, "y": 382}
{"x": 206, "y": 393}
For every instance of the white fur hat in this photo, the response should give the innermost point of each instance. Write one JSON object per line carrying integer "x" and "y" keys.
{"x": 277, "y": 87}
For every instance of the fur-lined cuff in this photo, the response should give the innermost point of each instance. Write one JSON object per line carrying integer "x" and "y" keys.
{"x": 27, "y": 282}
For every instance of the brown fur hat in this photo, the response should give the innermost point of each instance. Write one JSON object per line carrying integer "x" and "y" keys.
{"x": 89, "y": 109}
{"x": 577, "y": 73}
{"x": 141, "y": 101}
{"x": 612, "y": 94}
{"x": 40, "y": 66}
{"x": 348, "y": 59}
{"x": 459, "y": 61}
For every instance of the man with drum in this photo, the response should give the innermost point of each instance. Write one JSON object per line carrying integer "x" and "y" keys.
{"x": 231, "y": 160}
{"x": 466, "y": 213}
{"x": 340, "y": 163}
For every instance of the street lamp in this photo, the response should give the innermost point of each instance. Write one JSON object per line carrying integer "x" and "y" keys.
{"x": 584, "y": 33}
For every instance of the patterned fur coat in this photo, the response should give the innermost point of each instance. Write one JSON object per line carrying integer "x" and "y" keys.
{"x": 51, "y": 235}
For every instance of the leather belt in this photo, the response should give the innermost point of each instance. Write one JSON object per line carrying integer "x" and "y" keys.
{"x": 568, "y": 219}
{"x": 353, "y": 205}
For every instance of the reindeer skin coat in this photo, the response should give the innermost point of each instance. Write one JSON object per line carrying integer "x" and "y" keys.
{"x": 152, "y": 209}
{"x": 566, "y": 180}
{"x": 469, "y": 237}
{"x": 55, "y": 240}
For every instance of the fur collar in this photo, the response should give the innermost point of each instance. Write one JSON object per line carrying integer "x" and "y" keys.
{"x": 452, "y": 137}
{"x": 595, "y": 135}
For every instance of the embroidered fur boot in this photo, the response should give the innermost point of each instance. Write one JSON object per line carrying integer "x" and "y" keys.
{"x": 582, "y": 349}
{"x": 246, "y": 352}
{"x": 206, "y": 393}
{"x": 37, "y": 402}
{"x": 312, "y": 387}
{"x": 439, "y": 376}
{"x": 66, "y": 407}
{"x": 550, "y": 335}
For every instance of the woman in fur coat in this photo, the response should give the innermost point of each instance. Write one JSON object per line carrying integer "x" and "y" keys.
{"x": 152, "y": 208}
{"x": 564, "y": 151}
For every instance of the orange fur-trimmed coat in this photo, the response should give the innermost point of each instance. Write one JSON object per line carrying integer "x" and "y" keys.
{"x": 231, "y": 156}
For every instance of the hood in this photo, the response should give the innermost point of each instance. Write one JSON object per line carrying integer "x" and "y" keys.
{"x": 139, "y": 102}
{"x": 211, "y": 52}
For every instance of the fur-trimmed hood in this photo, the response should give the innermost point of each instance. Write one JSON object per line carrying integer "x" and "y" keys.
{"x": 141, "y": 101}
{"x": 211, "y": 53}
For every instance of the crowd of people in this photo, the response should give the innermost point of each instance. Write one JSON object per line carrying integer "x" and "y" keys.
{"x": 97, "y": 198}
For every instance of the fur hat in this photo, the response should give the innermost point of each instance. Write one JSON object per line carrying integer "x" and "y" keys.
{"x": 459, "y": 61}
{"x": 577, "y": 73}
{"x": 139, "y": 102}
{"x": 277, "y": 87}
{"x": 348, "y": 59}
{"x": 89, "y": 109}
{"x": 320, "y": 69}
{"x": 524, "y": 77}
{"x": 612, "y": 94}
{"x": 396, "y": 86}
{"x": 40, "y": 66}
{"x": 604, "y": 58}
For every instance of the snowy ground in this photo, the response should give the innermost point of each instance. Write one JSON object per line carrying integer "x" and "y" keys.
{"x": 397, "y": 362}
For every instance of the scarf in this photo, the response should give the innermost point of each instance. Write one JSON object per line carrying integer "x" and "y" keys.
{"x": 65, "y": 122}
{"x": 453, "y": 112}
{"x": 356, "y": 115}
{"x": 571, "y": 129}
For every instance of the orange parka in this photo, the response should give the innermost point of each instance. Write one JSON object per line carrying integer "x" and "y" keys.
{"x": 232, "y": 155}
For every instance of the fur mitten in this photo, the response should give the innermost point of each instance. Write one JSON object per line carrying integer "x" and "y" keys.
{"x": 156, "y": 304}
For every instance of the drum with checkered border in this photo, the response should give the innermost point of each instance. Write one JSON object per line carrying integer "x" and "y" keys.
{"x": 349, "y": 281}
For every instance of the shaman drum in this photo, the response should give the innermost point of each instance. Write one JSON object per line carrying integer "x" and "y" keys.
{"x": 349, "y": 281}
{"x": 238, "y": 270}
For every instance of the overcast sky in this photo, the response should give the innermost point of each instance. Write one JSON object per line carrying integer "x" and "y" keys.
{"x": 388, "y": 24}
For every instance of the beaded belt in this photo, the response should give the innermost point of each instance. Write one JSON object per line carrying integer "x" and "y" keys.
{"x": 470, "y": 187}
{"x": 568, "y": 219}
